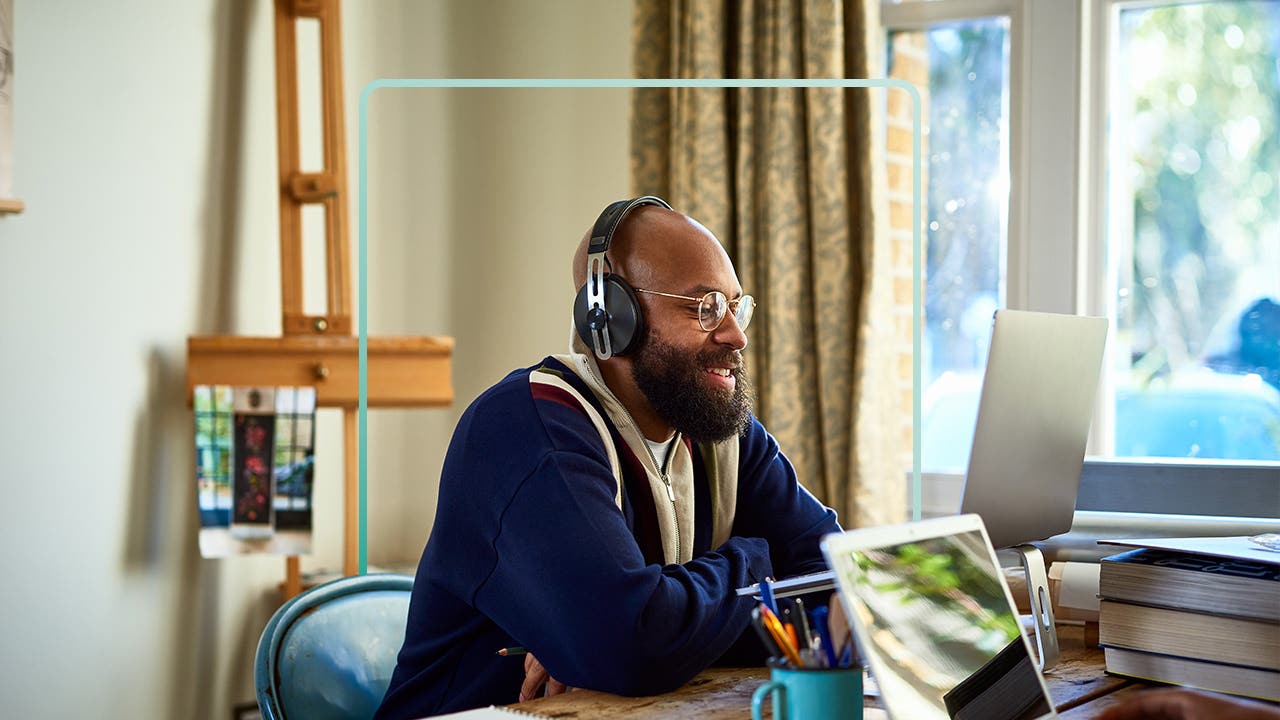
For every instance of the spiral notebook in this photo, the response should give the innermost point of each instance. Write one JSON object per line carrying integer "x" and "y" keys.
{"x": 493, "y": 711}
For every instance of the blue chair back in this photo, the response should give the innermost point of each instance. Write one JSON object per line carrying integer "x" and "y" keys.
{"x": 328, "y": 653}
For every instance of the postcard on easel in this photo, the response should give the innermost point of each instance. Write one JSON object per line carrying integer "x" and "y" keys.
{"x": 255, "y": 464}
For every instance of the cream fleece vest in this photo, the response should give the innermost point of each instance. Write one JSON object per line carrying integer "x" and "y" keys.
{"x": 672, "y": 486}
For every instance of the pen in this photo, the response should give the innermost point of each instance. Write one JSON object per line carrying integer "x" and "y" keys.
{"x": 824, "y": 635}
{"x": 766, "y": 595}
{"x": 801, "y": 620}
{"x": 515, "y": 650}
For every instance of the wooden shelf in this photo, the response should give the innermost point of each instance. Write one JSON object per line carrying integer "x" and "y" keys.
{"x": 11, "y": 206}
{"x": 403, "y": 371}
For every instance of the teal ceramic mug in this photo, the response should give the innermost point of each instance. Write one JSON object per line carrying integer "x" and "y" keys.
{"x": 812, "y": 694}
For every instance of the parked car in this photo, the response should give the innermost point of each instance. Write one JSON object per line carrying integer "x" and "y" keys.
{"x": 1200, "y": 415}
{"x": 1204, "y": 414}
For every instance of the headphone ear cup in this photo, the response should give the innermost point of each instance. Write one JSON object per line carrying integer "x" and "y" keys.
{"x": 626, "y": 319}
{"x": 581, "y": 321}
{"x": 623, "y": 321}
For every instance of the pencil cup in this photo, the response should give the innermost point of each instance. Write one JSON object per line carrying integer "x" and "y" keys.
{"x": 812, "y": 694}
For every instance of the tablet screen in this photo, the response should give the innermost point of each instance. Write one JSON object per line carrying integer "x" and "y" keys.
{"x": 935, "y": 624}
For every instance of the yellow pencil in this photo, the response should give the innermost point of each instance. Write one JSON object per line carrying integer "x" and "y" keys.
{"x": 774, "y": 625}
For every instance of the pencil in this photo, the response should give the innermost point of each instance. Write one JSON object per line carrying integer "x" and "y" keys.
{"x": 774, "y": 626}
{"x": 766, "y": 638}
{"x": 515, "y": 650}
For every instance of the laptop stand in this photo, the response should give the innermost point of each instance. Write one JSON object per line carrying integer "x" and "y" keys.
{"x": 1041, "y": 605}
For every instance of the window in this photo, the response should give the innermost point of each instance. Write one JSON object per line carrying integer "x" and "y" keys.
{"x": 1111, "y": 158}
{"x": 962, "y": 69}
{"x": 1193, "y": 230}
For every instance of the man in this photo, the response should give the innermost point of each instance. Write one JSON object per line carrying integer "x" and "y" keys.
{"x": 601, "y": 513}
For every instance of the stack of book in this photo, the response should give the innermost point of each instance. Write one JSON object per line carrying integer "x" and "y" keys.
{"x": 1211, "y": 621}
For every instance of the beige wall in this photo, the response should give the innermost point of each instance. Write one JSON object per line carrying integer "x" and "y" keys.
{"x": 146, "y": 157}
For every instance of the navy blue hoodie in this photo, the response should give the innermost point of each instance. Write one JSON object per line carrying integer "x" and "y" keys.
{"x": 530, "y": 548}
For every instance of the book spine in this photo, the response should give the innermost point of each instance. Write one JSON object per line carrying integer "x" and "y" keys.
{"x": 1189, "y": 672}
{"x": 1188, "y": 583}
{"x": 1199, "y": 636}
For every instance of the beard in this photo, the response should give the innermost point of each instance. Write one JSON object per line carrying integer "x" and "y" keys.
{"x": 674, "y": 383}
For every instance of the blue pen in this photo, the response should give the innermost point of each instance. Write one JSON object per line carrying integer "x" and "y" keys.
{"x": 846, "y": 657}
{"x": 824, "y": 634}
{"x": 766, "y": 595}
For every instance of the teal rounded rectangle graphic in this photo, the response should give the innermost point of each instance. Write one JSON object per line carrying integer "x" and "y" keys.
{"x": 626, "y": 83}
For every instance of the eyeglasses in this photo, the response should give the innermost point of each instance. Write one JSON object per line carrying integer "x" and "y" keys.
{"x": 713, "y": 306}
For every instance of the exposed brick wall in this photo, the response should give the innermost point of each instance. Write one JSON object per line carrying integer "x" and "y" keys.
{"x": 910, "y": 63}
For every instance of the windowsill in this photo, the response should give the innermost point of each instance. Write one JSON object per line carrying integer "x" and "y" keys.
{"x": 1080, "y": 544}
{"x": 1151, "y": 498}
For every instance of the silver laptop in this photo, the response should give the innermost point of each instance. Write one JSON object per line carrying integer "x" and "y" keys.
{"x": 1033, "y": 422}
{"x": 935, "y": 622}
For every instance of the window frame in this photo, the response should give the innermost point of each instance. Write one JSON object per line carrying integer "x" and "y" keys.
{"x": 1057, "y": 220}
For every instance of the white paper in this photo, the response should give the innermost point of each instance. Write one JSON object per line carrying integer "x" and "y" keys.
{"x": 1078, "y": 586}
{"x": 1236, "y": 547}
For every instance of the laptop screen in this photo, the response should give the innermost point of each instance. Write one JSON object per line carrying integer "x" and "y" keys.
{"x": 935, "y": 622}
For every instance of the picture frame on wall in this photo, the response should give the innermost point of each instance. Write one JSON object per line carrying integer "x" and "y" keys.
{"x": 8, "y": 202}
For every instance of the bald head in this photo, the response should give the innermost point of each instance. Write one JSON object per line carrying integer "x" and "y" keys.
{"x": 649, "y": 245}
{"x": 676, "y": 373}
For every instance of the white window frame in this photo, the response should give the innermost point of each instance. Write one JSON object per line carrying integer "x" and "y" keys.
{"x": 1043, "y": 136}
{"x": 1055, "y": 261}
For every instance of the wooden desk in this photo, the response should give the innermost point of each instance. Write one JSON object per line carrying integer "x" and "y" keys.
{"x": 1078, "y": 686}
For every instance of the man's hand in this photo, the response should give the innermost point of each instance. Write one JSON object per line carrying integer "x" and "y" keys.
{"x": 1178, "y": 704}
{"x": 535, "y": 676}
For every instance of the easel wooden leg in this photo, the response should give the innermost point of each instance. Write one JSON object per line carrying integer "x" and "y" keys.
{"x": 292, "y": 576}
{"x": 351, "y": 494}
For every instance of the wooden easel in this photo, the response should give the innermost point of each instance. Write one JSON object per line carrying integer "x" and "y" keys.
{"x": 321, "y": 350}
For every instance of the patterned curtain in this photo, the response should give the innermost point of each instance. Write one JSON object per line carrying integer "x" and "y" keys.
{"x": 787, "y": 179}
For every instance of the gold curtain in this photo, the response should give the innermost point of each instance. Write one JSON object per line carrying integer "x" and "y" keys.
{"x": 785, "y": 177}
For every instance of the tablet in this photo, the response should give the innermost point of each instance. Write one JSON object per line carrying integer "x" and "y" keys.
{"x": 935, "y": 623}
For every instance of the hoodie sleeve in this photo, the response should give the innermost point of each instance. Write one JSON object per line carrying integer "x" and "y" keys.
{"x": 772, "y": 504}
{"x": 570, "y": 583}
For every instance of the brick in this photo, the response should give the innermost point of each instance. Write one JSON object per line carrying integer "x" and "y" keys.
{"x": 900, "y": 214}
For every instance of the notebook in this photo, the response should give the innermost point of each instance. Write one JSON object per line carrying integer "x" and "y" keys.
{"x": 935, "y": 623}
{"x": 491, "y": 712}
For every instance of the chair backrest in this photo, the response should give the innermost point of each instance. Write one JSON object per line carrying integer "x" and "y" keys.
{"x": 329, "y": 652}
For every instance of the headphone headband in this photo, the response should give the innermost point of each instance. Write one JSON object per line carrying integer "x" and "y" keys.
{"x": 609, "y": 220}
{"x": 609, "y": 324}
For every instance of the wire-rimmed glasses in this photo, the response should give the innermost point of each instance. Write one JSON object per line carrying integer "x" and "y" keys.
{"x": 713, "y": 306}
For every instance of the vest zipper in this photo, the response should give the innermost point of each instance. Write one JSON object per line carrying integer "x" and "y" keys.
{"x": 662, "y": 471}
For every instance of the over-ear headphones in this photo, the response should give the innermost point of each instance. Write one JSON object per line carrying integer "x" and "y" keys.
{"x": 605, "y": 311}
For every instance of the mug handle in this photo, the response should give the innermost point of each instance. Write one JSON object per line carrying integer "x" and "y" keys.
{"x": 762, "y": 692}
